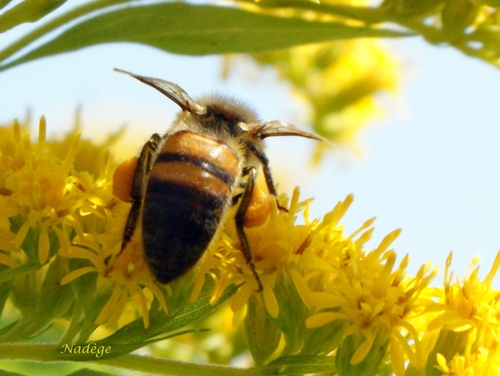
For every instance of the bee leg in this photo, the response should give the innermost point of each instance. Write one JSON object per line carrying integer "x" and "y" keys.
{"x": 236, "y": 199}
{"x": 240, "y": 220}
{"x": 144, "y": 165}
{"x": 261, "y": 156}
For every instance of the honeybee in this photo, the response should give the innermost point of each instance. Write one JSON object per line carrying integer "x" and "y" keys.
{"x": 185, "y": 180}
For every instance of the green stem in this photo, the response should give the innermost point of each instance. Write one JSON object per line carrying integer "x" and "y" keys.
{"x": 50, "y": 353}
{"x": 54, "y": 24}
{"x": 173, "y": 367}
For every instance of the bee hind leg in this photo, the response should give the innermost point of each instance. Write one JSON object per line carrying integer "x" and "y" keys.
{"x": 240, "y": 221}
{"x": 236, "y": 199}
{"x": 144, "y": 166}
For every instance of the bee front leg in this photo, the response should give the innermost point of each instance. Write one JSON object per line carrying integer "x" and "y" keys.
{"x": 144, "y": 165}
{"x": 240, "y": 220}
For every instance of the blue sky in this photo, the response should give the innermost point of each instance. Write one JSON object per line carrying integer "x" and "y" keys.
{"x": 430, "y": 167}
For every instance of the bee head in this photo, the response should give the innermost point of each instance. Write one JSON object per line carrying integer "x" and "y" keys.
{"x": 225, "y": 114}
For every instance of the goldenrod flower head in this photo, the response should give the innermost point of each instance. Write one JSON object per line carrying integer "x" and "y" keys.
{"x": 56, "y": 209}
{"x": 127, "y": 271}
{"x": 276, "y": 247}
{"x": 376, "y": 301}
{"x": 36, "y": 194}
{"x": 282, "y": 252}
{"x": 323, "y": 292}
{"x": 483, "y": 362}
{"x": 463, "y": 326}
{"x": 314, "y": 275}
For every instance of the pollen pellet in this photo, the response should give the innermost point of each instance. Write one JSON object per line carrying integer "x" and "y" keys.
{"x": 259, "y": 208}
{"x": 123, "y": 178}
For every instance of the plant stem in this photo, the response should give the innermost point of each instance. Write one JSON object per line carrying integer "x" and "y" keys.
{"x": 50, "y": 352}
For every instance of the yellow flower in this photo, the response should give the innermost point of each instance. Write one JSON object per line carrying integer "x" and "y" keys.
{"x": 274, "y": 246}
{"x": 484, "y": 362}
{"x": 323, "y": 292}
{"x": 376, "y": 300}
{"x": 313, "y": 275}
{"x": 463, "y": 323}
{"x": 58, "y": 205}
{"x": 127, "y": 271}
{"x": 33, "y": 195}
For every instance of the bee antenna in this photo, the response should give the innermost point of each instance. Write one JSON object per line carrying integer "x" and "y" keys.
{"x": 172, "y": 91}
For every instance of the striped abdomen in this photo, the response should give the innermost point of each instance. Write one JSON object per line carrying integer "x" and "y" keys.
{"x": 189, "y": 188}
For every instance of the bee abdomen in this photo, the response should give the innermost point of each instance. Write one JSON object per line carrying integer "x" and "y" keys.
{"x": 176, "y": 232}
{"x": 189, "y": 188}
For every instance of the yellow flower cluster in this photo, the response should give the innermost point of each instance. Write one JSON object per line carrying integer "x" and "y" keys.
{"x": 57, "y": 203}
{"x": 462, "y": 323}
{"x": 334, "y": 279}
{"x": 323, "y": 292}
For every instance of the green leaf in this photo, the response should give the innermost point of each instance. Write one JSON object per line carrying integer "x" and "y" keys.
{"x": 292, "y": 314}
{"x": 26, "y": 268}
{"x": 162, "y": 323}
{"x": 134, "y": 336}
{"x": 299, "y": 365}
{"x": 89, "y": 372}
{"x": 370, "y": 365}
{"x": 54, "y": 299}
{"x": 27, "y": 11}
{"x": 4, "y": 294}
{"x": 263, "y": 336}
{"x": 457, "y": 16}
{"x": 90, "y": 313}
{"x": 103, "y": 349}
{"x": 198, "y": 30}
{"x": 324, "y": 339}
{"x": 3, "y": 3}
{"x": 448, "y": 344}
{"x": 24, "y": 293}
{"x": 9, "y": 373}
{"x": 170, "y": 367}
{"x": 39, "y": 305}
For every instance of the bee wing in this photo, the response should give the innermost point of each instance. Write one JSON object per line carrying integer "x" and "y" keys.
{"x": 279, "y": 128}
{"x": 174, "y": 92}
